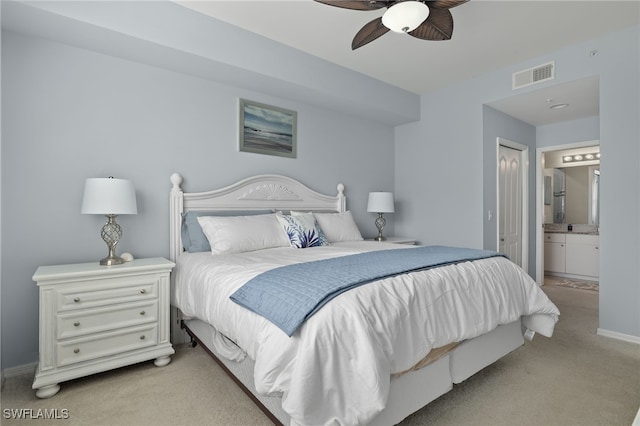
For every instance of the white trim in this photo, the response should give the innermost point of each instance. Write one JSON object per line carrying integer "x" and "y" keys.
{"x": 524, "y": 161}
{"x": 636, "y": 421}
{"x": 20, "y": 370}
{"x": 540, "y": 201}
{"x": 618, "y": 336}
{"x": 573, "y": 276}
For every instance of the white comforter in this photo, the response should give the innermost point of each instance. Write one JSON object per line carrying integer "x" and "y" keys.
{"x": 336, "y": 368}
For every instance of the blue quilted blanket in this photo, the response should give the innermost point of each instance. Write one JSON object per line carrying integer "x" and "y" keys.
{"x": 290, "y": 294}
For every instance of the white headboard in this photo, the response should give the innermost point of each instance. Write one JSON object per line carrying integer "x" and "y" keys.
{"x": 262, "y": 192}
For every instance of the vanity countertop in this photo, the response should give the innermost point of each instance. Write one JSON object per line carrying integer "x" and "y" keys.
{"x": 571, "y": 232}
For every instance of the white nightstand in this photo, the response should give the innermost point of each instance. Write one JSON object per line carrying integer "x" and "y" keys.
{"x": 397, "y": 240}
{"x": 95, "y": 318}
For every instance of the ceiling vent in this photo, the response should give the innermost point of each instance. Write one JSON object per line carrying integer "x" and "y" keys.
{"x": 533, "y": 75}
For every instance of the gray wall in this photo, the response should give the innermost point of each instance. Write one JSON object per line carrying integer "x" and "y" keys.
{"x": 69, "y": 114}
{"x": 174, "y": 108}
{"x": 568, "y": 132}
{"x": 441, "y": 179}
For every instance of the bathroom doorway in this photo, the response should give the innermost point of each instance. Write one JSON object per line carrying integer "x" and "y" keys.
{"x": 567, "y": 212}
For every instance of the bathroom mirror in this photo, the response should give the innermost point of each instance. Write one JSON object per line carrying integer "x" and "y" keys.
{"x": 575, "y": 195}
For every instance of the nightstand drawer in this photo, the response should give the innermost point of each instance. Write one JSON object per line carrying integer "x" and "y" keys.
{"x": 105, "y": 344}
{"x": 108, "y": 291}
{"x": 80, "y": 323}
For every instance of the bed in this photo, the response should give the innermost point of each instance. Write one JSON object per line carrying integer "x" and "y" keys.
{"x": 371, "y": 355}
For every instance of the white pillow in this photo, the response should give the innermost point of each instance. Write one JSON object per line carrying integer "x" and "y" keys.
{"x": 338, "y": 226}
{"x": 238, "y": 234}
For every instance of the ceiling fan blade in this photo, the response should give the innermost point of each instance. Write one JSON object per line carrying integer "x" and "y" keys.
{"x": 445, "y": 4}
{"x": 368, "y": 33}
{"x": 438, "y": 26}
{"x": 356, "y": 4}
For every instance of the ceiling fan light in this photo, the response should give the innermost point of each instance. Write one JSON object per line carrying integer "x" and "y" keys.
{"x": 405, "y": 16}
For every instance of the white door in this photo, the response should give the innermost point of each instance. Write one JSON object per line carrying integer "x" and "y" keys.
{"x": 510, "y": 203}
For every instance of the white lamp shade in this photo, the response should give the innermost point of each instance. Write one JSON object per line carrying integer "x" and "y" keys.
{"x": 109, "y": 196}
{"x": 405, "y": 16}
{"x": 380, "y": 202}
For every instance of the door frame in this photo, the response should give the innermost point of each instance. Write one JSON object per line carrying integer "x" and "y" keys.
{"x": 524, "y": 161}
{"x": 540, "y": 200}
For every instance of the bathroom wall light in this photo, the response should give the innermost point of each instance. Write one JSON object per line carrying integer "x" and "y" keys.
{"x": 592, "y": 156}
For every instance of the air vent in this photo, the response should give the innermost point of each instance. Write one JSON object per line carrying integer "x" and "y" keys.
{"x": 533, "y": 75}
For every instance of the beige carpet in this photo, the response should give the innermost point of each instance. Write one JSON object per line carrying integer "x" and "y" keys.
{"x": 573, "y": 378}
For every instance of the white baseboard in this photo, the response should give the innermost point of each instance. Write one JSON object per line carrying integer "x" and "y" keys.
{"x": 619, "y": 336}
{"x": 20, "y": 370}
{"x": 572, "y": 276}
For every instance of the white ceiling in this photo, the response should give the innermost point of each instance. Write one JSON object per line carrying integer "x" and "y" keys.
{"x": 488, "y": 35}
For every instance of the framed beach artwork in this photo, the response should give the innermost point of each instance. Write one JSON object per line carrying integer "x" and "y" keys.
{"x": 265, "y": 129}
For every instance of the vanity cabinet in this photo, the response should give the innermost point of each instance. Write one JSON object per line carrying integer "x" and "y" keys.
{"x": 572, "y": 255}
{"x": 582, "y": 255}
{"x": 554, "y": 252}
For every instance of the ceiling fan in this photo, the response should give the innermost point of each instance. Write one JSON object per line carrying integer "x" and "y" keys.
{"x": 426, "y": 20}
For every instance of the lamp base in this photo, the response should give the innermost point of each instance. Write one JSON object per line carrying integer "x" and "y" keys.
{"x": 111, "y": 234}
{"x": 111, "y": 260}
{"x": 380, "y": 223}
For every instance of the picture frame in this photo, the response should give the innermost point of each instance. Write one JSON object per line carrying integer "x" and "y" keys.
{"x": 266, "y": 129}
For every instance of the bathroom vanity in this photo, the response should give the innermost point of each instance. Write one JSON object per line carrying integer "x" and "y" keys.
{"x": 572, "y": 254}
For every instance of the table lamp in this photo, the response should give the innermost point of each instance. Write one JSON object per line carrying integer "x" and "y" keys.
{"x": 110, "y": 197}
{"x": 380, "y": 202}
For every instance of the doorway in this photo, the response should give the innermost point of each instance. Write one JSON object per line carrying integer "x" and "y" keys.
{"x": 512, "y": 201}
{"x": 592, "y": 211}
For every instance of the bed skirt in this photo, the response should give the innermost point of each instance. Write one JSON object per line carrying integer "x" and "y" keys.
{"x": 409, "y": 391}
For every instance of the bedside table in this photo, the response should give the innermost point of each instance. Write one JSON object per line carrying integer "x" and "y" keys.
{"x": 397, "y": 240}
{"x": 95, "y": 318}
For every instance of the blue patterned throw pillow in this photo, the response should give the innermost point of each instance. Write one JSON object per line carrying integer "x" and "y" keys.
{"x": 302, "y": 231}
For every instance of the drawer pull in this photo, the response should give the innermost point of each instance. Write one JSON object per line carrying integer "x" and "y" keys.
{"x": 142, "y": 337}
{"x": 142, "y": 312}
{"x": 76, "y": 351}
{"x": 76, "y": 299}
{"x": 143, "y": 291}
{"x": 76, "y": 324}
